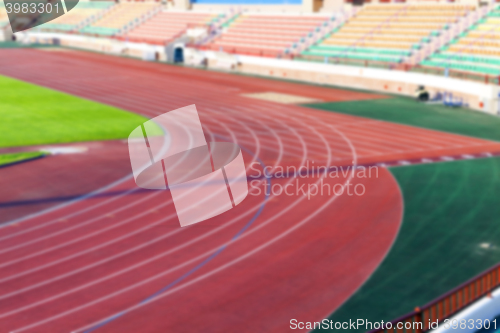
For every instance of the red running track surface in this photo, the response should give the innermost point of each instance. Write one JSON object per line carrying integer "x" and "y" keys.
{"x": 26, "y": 192}
{"x": 81, "y": 263}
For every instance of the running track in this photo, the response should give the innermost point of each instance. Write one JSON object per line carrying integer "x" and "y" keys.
{"x": 98, "y": 263}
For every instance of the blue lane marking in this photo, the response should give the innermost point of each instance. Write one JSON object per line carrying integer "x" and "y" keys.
{"x": 204, "y": 262}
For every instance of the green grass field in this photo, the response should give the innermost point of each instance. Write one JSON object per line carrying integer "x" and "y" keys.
{"x": 33, "y": 115}
{"x": 407, "y": 111}
{"x": 449, "y": 234}
{"x": 7, "y": 159}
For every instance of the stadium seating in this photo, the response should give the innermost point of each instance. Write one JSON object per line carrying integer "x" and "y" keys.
{"x": 267, "y": 35}
{"x": 386, "y": 33}
{"x": 476, "y": 50}
{"x": 119, "y": 17}
{"x": 168, "y": 25}
{"x": 84, "y": 13}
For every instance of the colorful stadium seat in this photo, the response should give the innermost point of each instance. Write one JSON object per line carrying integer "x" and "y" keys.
{"x": 167, "y": 25}
{"x": 83, "y": 14}
{"x": 267, "y": 35}
{"x": 386, "y": 33}
{"x": 476, "y": 50}
{"x": 121, "y": 16}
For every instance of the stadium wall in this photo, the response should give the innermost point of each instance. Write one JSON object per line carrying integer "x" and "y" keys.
{"x": 96, "y": 44}
{"x": 477, "y": 96}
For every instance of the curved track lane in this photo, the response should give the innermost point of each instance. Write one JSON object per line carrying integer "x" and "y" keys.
{"x": 94, "y": 263}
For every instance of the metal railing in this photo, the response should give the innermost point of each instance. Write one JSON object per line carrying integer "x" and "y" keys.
{"x": 447, "y": 305}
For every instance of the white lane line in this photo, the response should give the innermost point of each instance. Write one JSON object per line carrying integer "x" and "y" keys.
{"x": 305, "y": 149}
{"x": 130, "y": 267}
{"x": 214, "y": 271}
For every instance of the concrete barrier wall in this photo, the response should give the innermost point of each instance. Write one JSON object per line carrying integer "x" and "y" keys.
{"x": 478, "y": 96}
{"x": 97, "y": 44}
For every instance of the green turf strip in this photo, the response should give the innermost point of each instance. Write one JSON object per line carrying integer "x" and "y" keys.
{"x": 450, "y": 210}
{"x": 32, "y": 115}
{"x": 6, "y": 159}
{"x": 433, "y": 116}
{"x": 13, "y": 45}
